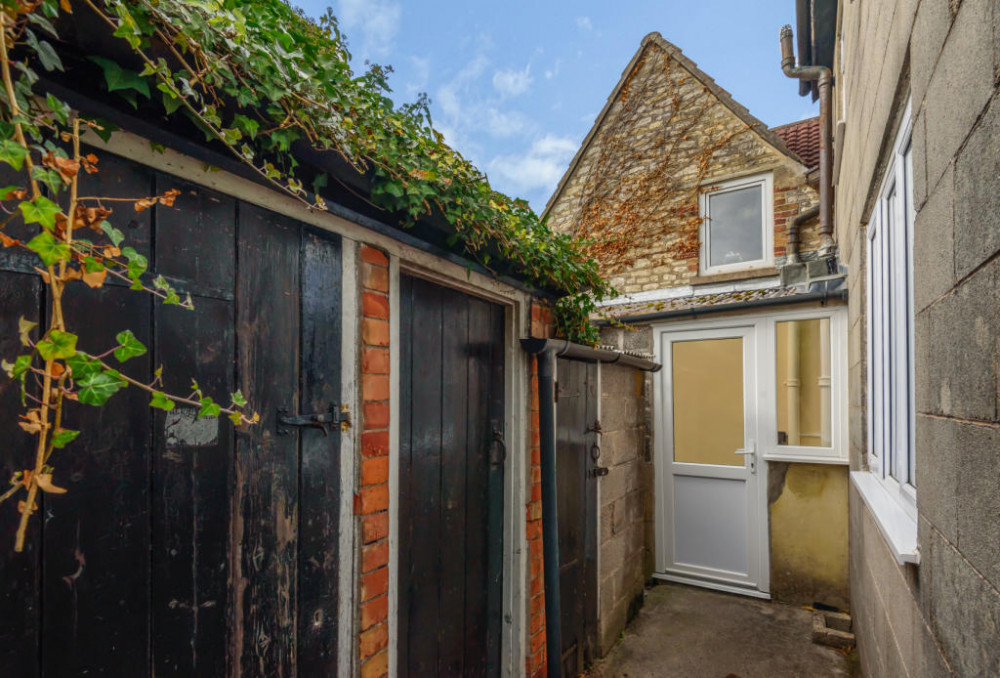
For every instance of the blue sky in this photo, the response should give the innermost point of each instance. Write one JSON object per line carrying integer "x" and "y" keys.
{"x": 515, "y": 86}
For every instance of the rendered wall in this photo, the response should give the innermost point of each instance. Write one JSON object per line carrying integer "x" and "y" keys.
{"x": 941, "y": 617}
{"x": 807, "y": 511}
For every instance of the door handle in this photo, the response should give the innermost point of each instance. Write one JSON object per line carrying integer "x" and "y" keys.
{"x": 751, "y": 454}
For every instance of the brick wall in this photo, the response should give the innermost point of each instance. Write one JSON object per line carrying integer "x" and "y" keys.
{"x": 372, "y": 502}
{"x": 660, "y": 211}
{"x": 541, "y": 326}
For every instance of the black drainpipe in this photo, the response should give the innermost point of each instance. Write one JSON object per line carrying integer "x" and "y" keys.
{"x": 550, "y": 517}
{"x": 546, "y": 350}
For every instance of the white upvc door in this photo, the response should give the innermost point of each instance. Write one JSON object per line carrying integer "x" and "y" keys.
{"x": 710, "y": 476}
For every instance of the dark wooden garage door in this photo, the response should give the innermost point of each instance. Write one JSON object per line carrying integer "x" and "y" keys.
{"x": 576, "y": 457}
{"x": 451, "y": 482}
{"x": 185, "y": 548}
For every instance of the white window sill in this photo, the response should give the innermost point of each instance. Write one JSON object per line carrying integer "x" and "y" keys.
{"x": 898, "y": 527}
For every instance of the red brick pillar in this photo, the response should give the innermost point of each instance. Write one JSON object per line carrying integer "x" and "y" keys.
{"x": 541, "y": 326}
{"x": 372, "y": 503}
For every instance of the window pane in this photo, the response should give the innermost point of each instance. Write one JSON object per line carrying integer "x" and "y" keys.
{"x": 735, "y": 226}
{"x": 803, "y": 382}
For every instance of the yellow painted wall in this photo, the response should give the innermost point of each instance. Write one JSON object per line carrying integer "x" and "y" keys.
{"x": 808, "y": 532}
{"x": 810, "y": 410}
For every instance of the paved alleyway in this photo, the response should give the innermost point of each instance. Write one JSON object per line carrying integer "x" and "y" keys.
{"x": 685, "y": 632}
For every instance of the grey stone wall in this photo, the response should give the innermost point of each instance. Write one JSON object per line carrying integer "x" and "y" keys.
{"x": 625, "y": 504}
{"x": 941, "y": 617}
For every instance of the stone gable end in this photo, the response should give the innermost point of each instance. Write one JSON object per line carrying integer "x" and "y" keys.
{"x": 664, "y": 139}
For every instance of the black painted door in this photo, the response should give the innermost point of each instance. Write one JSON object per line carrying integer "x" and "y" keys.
{"x": 451, "y": 482}
{"x": 577, "y": 454}
{"x": 183, "y": 547}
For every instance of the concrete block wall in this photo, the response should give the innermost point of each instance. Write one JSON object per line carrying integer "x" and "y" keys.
{"x": 625, "y": 509}
{"x": 657, "y": 203}
{"x": 941, "y": 617}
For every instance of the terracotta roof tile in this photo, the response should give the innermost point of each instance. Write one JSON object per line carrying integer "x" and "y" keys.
{"x": 802, "y": 139}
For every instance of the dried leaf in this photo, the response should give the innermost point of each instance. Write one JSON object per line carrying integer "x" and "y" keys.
{"x": 8, "y": 241}
{"x": 22, "y": 505}
{"x": 111, "y": 252}
{"x": 31, "y": 422}
{"x": 95, "y": 279}
{"x": 24, "y": 328}
{"x": 44, "y": 274}
{"x": 145, "y": 204}
{"x": 44, "y": 482}
{"x": 57, "y": 370}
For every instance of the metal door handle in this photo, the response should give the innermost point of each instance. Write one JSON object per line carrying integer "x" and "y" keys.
{"x": 751, "y": 454}
{"x": 501, "y": 458}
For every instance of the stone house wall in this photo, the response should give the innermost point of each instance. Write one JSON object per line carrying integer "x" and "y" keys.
{"x": 941, "y": 617}
{"x": 625, "y": 497}
{"x": 666, "y": 137}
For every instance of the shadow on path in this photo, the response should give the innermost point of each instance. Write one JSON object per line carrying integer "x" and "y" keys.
{"x": 686, "y": 632}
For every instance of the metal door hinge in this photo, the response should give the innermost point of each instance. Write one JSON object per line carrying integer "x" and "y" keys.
{"x": 336, "y": 414}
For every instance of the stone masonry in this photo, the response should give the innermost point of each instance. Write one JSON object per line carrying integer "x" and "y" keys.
{"x": 667, "y": 134}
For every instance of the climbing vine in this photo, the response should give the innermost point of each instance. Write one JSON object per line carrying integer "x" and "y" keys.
{"x": 260, "y": 79}
{"x": 74, "y": 241}
{"x": 641, "y": 189}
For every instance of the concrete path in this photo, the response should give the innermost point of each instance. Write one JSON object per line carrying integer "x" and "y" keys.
{"x": 686, "y": 632}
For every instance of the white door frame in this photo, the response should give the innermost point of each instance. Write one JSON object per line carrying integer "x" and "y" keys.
{"x": 757, "y": 580}
{"x": 763, "y": 325}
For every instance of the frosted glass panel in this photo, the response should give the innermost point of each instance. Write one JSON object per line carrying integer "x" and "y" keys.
{"x": 803, "y": 382}
{"x": 708, "y": 401}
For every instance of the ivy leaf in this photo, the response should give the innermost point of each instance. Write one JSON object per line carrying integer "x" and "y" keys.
{"x": 239, "y": 400}
{"x": 83, "y": 366}
{"x": 57, "y": 345}
{"x": 63, "y": 437}
{"x": 121, "y": 79}
{"x": 128, "y": 346}
{"x": 96, "y": 388}
{"x": 209, "y": 408}
{"x": 40, "y": 210}
{"x": 18, "y": 368}
{"x": 236, "y": 418}
{"x": 49, "y": 250}
{"x": 114, "y": 235}
{"x": 12, "y": 153}
{"x": 24, "y": 328}
{"x": 58, "y": 107}
{"x": 161, "y": 401}
{"x": 46, "y": 53}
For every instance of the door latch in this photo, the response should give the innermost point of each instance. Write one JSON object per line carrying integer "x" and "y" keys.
{"x": 498, "y": 454}
{"x": 598, "y": 472}
{"x": 751, "y": 454}
{"x": 336, "y": 414}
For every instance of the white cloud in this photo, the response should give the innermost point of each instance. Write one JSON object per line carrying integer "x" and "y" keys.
{"x": 554, "y": 71}
{"x": 584, "y": 23}
{"x": 375, "y": 21}
{"x": 421, "y": 75}
{"x": 511, "y": 83}
{"x": 539, "y": 169}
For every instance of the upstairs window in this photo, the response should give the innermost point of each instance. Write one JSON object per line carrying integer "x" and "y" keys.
{"x": 737, "y": 230}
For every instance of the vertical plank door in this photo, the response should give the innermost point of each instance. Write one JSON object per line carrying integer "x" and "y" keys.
{"x": 451, "y": 481}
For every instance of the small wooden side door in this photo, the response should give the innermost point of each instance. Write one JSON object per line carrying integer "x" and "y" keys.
{"x": 450, "y": 482}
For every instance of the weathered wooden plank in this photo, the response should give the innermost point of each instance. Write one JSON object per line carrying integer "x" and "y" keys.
{"x": 423, "y": 558}
{"x": 478, "y": 356}
{"x": 265, "y": 502}
{"x": 190, "y": 508}
{"x": 495, "y": 484}
{"x": 19, "y": 572}
{"x": 319, "y": 499}
{"x": 406, "y": 488}
{"x": 96, "y": 537}
{"x": 195, "y": 239}
{"x": 454, "y": 453}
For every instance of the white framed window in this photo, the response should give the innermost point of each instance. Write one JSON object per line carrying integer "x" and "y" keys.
{"x": 889, "y": 485}
{"x": 737, "y": 224}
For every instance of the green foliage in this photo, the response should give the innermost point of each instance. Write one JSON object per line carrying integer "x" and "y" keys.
{"x": 58, "y": 345}
{"x": 128, "y": 346}
{"x": 97, "y": 387}
{"x": 241, "y": 68}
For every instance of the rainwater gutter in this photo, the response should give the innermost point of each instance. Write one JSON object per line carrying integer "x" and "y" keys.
{"x": 822, "y": 297}
{"x": 824, "y": 80}
{"x": 547, "y": 350}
